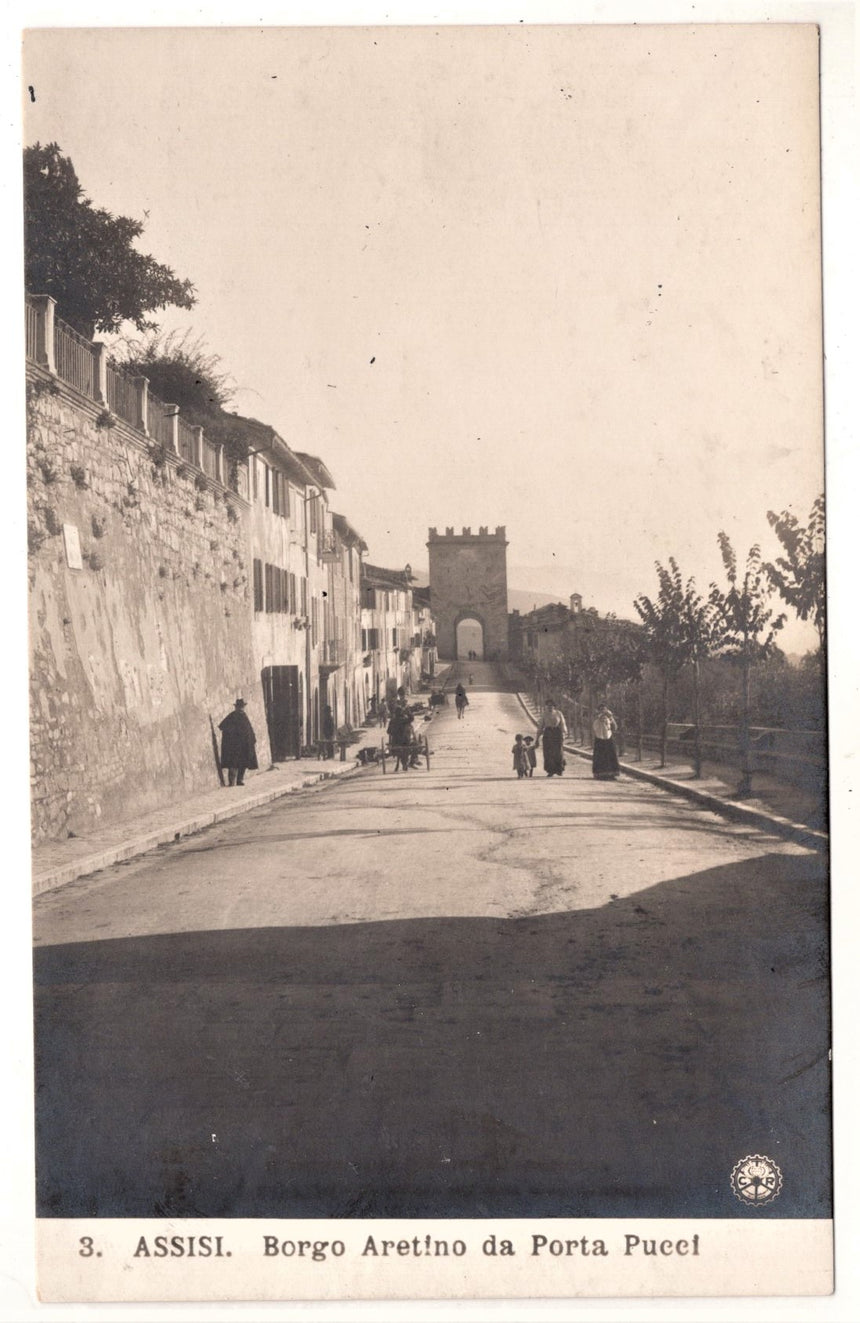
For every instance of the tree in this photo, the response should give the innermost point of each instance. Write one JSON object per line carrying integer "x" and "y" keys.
{"x": 180, "y": 370}
{"x": 749, "y": 630}
{"x": 84, "y": 257}
{"x": 799, "y": 575}
{"x": 682, "y": 629}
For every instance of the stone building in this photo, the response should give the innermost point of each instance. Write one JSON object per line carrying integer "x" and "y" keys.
{"x": 469, "y": 592}
{"x": 391, "y": 632}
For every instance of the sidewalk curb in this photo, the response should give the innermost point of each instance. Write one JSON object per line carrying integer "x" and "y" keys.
{"x": 793, "y": 831}
{"x": 51, "y": 878}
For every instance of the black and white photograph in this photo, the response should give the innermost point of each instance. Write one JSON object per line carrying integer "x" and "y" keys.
{"x": 428, "y": 710}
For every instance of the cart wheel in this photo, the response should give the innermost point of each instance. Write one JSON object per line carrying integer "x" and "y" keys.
{"x": 382, "y": 756}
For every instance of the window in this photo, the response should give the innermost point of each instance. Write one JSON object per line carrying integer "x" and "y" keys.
{"x": 258, "y": 586}
{"x": 270, "y": 589}
{"x": 255, "y": 472}
{"x": 312, "y": 514}
{"x": 294, "y": 606}
{"x": 304, "y": 609}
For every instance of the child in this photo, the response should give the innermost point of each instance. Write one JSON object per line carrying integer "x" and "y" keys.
{"x": 521, "y": 758}
{"x": 531, "y": 754}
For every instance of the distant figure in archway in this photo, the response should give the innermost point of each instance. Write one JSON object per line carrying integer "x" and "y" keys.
{"x": 551, "y": 733}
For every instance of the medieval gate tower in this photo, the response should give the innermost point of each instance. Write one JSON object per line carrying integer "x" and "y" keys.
{"x": 469, "y": 592}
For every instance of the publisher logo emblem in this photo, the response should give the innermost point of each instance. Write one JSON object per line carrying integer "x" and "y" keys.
{"x": 756, "y": 1180}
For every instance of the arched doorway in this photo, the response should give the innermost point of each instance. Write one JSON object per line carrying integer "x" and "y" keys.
{"x": 470, "y": 638}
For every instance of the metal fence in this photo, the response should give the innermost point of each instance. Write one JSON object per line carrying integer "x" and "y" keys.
{"x": 187, "y": 446}
{"x": 74, "y": 358}
{"x": 160, "y": 422}
{"x": 122, "y": 397}
{"x": 210, "y": 460}
{"x": 75, "y": 363}
{"x": 31, "y": 325}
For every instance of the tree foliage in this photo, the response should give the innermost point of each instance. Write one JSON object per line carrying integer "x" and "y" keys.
{"x": 799, "y": 575}
{"x": 84, "y": 257}
{"x": 679, "y": 624}
{"x": 180, "y": 370}
{"x": 748, "y": 627}
{"x": 749, "y": 630}
{"x": 611, "y": 654}
{"x": 682, "y": 629}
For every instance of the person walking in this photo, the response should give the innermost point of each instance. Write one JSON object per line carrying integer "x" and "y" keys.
{"x": 604, "y": 758}
{"x": 461, "y": 701}
{"x": 382, "y": 713}
{"x": 531, "y": 754}
{"x": 238, "y": 744}
{"x": 400, "y": 736}
{"x": 328, "y": 732}
{"x": 552, "y": 731}
{"x": 521, "y": 757}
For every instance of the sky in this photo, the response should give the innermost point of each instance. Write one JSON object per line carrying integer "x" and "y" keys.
{"x": 564, "y": 280}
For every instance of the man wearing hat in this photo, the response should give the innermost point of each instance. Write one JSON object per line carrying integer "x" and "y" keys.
{"x": 238, "y": 744}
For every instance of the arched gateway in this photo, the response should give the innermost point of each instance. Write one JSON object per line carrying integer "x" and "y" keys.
{"x": 470, "y": 639}
{"x": 469, "y": 592}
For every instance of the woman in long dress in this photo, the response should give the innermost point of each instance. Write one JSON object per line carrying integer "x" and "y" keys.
{"x": 604, "y": 759}
{"x": 550, "y": 734}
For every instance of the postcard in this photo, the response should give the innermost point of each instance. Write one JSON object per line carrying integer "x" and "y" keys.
{"x": 426, "y": 544}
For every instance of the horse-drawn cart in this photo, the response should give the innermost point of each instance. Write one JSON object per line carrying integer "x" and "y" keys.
{"x": 413, "y": 752}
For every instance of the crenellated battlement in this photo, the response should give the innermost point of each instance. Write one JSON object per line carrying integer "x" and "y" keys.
{"x": 483, "y": 535}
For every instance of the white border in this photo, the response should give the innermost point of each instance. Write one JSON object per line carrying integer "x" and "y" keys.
{"x": 841, "y": 227}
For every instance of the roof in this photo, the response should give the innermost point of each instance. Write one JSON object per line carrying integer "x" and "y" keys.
{"x": 263, "y": 439}
{"x": 377, "y": 574}
{"x": 314, "y": 464}
{"x": 345, "y": 530}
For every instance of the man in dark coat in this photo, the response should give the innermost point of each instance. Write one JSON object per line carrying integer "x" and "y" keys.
{"x": 328, "y": 733}
{"x": 400, "y": 736}
{"x": 238, "y": 744}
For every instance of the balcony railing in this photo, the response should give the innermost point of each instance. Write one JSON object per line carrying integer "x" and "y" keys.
{"x": 160, "y": 419}
{"x": 122, "y": 396}
{"x": 332, "y": 652}
{"x": 73, "y": 356}
{"x": 31, "y": 323}
{"x": 187, "y": 443}
{"x": 65, "y": 353}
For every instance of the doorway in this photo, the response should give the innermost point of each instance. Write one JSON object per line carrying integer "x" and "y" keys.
{"x": 282, "y": 694}
{"x": 470, "y": 639}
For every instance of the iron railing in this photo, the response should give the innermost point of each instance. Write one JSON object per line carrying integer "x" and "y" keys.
{"x": 187, "y": 443}
{"x": 210, "y": 460}
{"x": 73, "y": 356}
{"x": 31, "y": 324}
{"x": 160, "y": 422}
{"x": 122, "y": 397}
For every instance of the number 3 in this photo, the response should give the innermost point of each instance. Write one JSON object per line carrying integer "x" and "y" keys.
{"x": 86, "y": 1250}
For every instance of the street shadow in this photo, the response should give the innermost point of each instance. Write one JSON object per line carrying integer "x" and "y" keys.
{"x": 609, "y": 1062}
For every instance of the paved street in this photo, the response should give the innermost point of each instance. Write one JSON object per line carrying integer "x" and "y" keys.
{"x": 445, "y": 992}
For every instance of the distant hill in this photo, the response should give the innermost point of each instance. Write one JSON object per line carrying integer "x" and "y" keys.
{"x": 523, "y": 600}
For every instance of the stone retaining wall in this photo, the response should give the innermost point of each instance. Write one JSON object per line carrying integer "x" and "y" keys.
{"x": 131, "y": 652}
